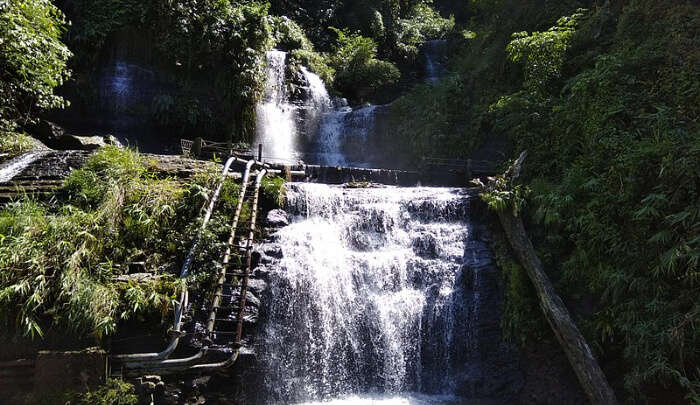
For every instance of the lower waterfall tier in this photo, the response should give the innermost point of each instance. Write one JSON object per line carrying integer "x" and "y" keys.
{"x": 378, "y": 294}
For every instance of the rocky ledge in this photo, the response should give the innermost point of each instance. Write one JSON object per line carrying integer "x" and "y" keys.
{"x": 41, "y": 173}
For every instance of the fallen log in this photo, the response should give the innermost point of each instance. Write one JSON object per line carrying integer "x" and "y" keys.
{"x": 583, "y": 362}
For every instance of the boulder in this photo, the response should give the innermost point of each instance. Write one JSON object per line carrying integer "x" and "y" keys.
{"x": 277, "y": 218}
{"x": 95, "y": 142}
{"x": 55, "y": 137}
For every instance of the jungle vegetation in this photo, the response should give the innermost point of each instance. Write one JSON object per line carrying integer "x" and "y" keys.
{"x": 605, "y": 96}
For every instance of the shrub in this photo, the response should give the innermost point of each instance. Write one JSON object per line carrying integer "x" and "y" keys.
{"x": 359, "y": 74}
{"x": 58, "y": 261}
{"x": 32, "y": 56}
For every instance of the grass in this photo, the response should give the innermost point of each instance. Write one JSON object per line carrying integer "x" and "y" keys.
{"x": 112, "y": 392}
{"x": 59, "y": 260}
{"x": 13, "y": 144}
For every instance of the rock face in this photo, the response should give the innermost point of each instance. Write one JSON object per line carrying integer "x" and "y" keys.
{"x": 73, "y": 371}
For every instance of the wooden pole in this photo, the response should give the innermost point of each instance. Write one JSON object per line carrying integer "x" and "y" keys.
{"x": 196, "y": 147}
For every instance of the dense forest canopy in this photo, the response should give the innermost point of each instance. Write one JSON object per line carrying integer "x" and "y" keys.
{"x": 605, "y": 96}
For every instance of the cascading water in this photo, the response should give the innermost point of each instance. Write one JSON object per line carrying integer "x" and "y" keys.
{"x": 372, "y": 299}
{"x": 337, "y": 136}
{"x": 433, "y": 52}
{"x": 16, "y": 165}
{"x": 276, "y": 129}
{"x": 343, "y": 136}
{"x": 316, "y": 102}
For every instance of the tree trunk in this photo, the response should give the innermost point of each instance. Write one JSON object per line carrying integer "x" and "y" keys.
{"x": 591, "y": 377}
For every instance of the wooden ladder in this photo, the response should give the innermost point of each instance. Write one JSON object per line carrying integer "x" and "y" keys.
{"x": 227, "y": 313}
{"x": 224, "y": 325}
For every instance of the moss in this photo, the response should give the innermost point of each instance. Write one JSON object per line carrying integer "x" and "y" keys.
{"x": 13, "y": 144}
{"x": 273, "y": 192}
{"x": 113, "y": 392}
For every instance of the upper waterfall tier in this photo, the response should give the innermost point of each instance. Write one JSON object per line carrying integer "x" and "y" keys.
{"x": 306, "y": 125}
{"x": 276, "y": 126}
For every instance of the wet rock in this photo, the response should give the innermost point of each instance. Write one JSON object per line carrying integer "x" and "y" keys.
{"x": 271, "y": 251}
{"x": 256, "y": 286}
{"x": 47, "y": 132}
{"x": 277, "y": 218}
{"x": 365, "y": 242}
{"x": 94, "y": 142}
{"x": 425, "y": 245}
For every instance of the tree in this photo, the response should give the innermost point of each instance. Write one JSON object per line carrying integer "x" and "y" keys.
{"x": 358, "y": 71}
{"x": 32, "y": 59}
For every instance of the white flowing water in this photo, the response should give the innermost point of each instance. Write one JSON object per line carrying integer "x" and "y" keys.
{"x": 15, "y": 166}
{"x": 318, "y": 95}
{"x": 276, "y": 128}
{"x": 363, "y": 297}
{"x": 406, "y": 399}
{"x": 316, "y": 104}
{"x": 343, "y": 138}
{"x": 433, "y": 52}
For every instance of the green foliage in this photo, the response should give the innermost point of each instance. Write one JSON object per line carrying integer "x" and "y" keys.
{"x": 59, "y": 261}
{"x": 13, "y": 143}
{"x": 429, "y": 120}
{"x": 216, "y": 45}
{"x": 606, "y": 103}
{"x": 424, "y": 23}
{"x": 181, "y": 113}
{"x": 318, "y": 63}
{"x": 613, "y": 133}
{"x": 289, "y": 35}
{"x": 543, "y": 53}
{"x": 113, "y": 392}
{"x": 94, "y": 21}
{"x": 32, "y": 57}
{"x": 522, "y": 322}
{"x": 273, "y": 192}
{"x": 359, "y": 74}
{"x": 219, "y": 40}
{"x": 503, "y": 196}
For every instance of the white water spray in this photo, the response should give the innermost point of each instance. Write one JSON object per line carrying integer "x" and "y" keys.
{"x": 276, "y": 129}
{"x": 15, "y": 166}
{"x": 363, "y": 294}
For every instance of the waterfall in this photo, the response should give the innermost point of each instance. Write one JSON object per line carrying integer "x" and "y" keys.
{"x": 276, "y": 129}
{"x": 434, "y": 52}
{"x": 344, "y": 135}
{"x": 368, "y": 300}
{"x": 15, "y": 166}
{"x": 318, "y": 97}
{"x": 306, "y": 125}
{"x": 316, "y": 102}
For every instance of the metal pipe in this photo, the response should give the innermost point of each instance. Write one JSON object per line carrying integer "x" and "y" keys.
{"x": 168, "y": 365}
